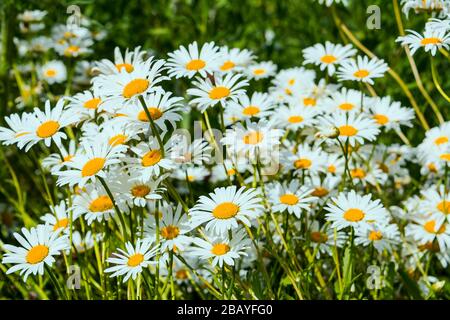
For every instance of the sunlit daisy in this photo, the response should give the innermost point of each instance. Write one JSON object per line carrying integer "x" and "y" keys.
{"x": 328, "y": 56}
{"x": 382, "y": 237}
{"x": 362, "y": 69}
{"x": 257, "y": 106}
{"x": 290, "y": 197}
{"x": 431, "y": 40}
{"x": 53, "y": 72}
{"x": 390, "y": 114}
{"x": 261, "y": 70}
{"x": 60, "y": 218}
{"x": 234, "y": 59}
{"x": 126, "y": 61}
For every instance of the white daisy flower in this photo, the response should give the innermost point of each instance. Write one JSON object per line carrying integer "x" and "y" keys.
{"x": 173, "y": 227}
{"x": 234, "y": 59}
{"x": 187, "y": 154}
{"x": 188, "y": 62}
{"x": 306, "y": 158}
{"x": 122, "y": 89}
{"x": 150, "y": 160}
{"x": 351, "y": 209}
{"x": 59, "y": 218}
{"x": 131, "y": 261}
{"x": 224, "y": 207}
{"x": 428, "y": 230}
{"x": 128, "y": 61}
{"x": 85, "y": 104}
{"x": 46, "y": 126}
{"x": 345, "y": 100}
{"x": 351, "y": 127}
{"x": 56, "y": 161}
{"x": 362, "y": 69}
{"x": 261, "y": 70}
{"x": 221, "y": 249}
{"x": 294, "y": 118}
{"x": 221, "y": 90}
{"x": 290, "y": 197}
{"x": 431, "y": 40}
{"x": 382, "y": 237}
{"x": 328, "y": 56}
{"x": 245, "y": 107}
{"x": 191, "y": 174}
{"x": 38, "y": 247}
{"x": 323, "y": 239}
{"x": 53, "y": 72}
{"x": 390, "y": 114}
{"x": 18, "y": 132}
{"x": 89, "y": 163}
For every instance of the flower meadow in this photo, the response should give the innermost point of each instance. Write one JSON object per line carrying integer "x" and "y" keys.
{"x": 209, "y": 171}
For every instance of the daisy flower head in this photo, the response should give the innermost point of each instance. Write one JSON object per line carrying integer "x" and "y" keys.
{"x": 352, "y": 209}
{"x": 185, "y": 153}
{"x": 429, "y": 230}
{"x": 247, "y": 107}
{"x": 131, "y": 261}
{"x": 187, "y": 62}
{"x": 85, "y": 104}
{"x": 38, "y": 247}
{"x": 46, "y": 125}
{"x": 290, "y": 197}
{"x": 114, "y": 133}
{"x": 256, "y": 140}
{"x": 173, "y": 227}
{"x": 191, "y": 174}
{"x": 345, "y": 101}
{"x": 382, "y": 237}
{"x": 217, "y": 89}
{"x": 431, "y": 41}
{"x": 362, "y": 69}
{"x": 261, "y": 70}
{"x": 221, "y": 249}
{"x": 32, "y": 16}
{"x": 323, "y": 188}
{"x": 323, "y": 238}
{"x": 149, "y": 160}
{"x": 288, "y": 81}
{"x": 438, "y": 24}
{"x": 53, "y": 72}
{"x": 89, "y": 163}
{"x": 122, "y": 89}
{"x": 225, "y": 207}
{"x": 352, "y": 128}
{"x": 59, "y": 219}
{"x": 94, "y": 204}
{"x": 132, "y": 190}
{"x": 127, "y": 61}
{"x": 424, "y": 6}
{"x": 18, "y": 131}
{"x": 390, "y": 114}
{"x": 437, "y": 201}
{"x": 305, "y": 159}
{"x": 328, "y": 56}
{"x": 234, "y": 59}
{"x": 294, "y": 118}
{"x": 162, "y": 107}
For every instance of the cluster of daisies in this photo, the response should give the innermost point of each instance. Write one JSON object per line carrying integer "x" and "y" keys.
{"x": 299, "y": 162}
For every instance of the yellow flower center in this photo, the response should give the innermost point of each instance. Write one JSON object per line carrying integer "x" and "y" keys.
{"x": 101, "y": 204}
{"x": 227, "y": 65}
{"x": 71, "y": 50}
{"x": 354, "y": 215}
{"x": 375, "y": 235}
{"x": 50, "y": 73}
{"x": 250, "y": 111}
{"x": 295, "y": 119}
{"x": 135, "y": 260}
{"x": 347, "y": 131}
{"x": 259, "y": 72}
{"x": 363, "y": 73}
{"x": 318, "y": 237}
{"x": 309, "y": 102}
{"x": 47, "y": 129}
{"x": 431, "y": 40}
{"x": 331, "y": 168}
{"x": 63, "y": 223}
{"x": 117, "y": 140}
{"x": 302, "y": 163}
{"x": 92, "y": 103}
{"x": 432, "y": 167}
{"x": 430, "y": 227}
{"x": 92, "y": 167}
{"x": 291, "y": 82}
{"x": 381, "y": 119}
{"x": 231, "y": 172}
{"x": 67, "y": 158}
{"x": 37, "y": 254}
{"x": 320, "y": 192}
{"x": 445, "y": 156}
{"x": 134, "y": 87}
{"x": 219, "y": 93}
{"x": 444, "y": 206}
{"x": 170, "y": 232}
{"x": 140, "y": 191}
{"x": 151, "y": 158}
{"x": 289, "y": 199}
{"x": 155, "y": 113}
{"x": 253, "y": 137}
{"x": 128, "y": 67}
{"x": 181, "y": 274}
{"x": 328, "y": 59}
{"x": 225, "y": 210}
{"x": 441, "y": 140}
{"x": 195, "y": 65}
{"x": 220, "y": 249}
{"x": 358, "y": 173}
{"x": 346, "y": 106}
